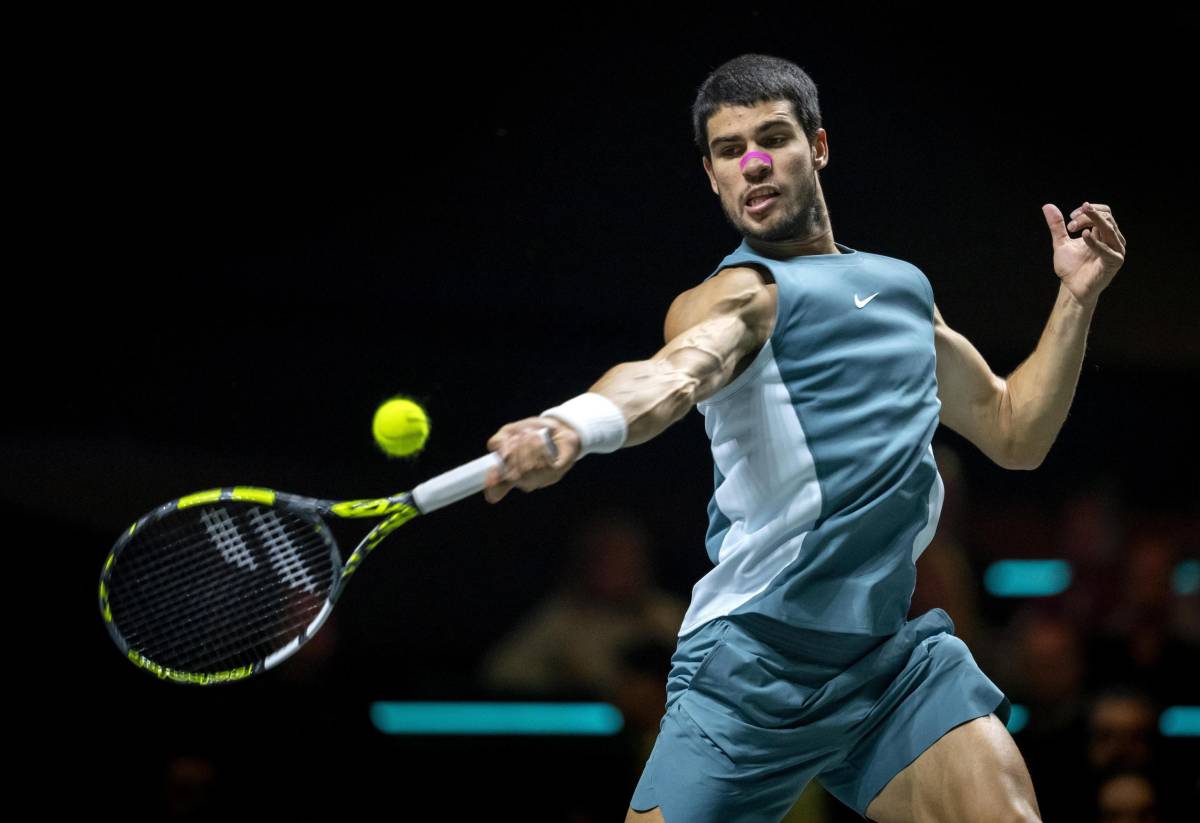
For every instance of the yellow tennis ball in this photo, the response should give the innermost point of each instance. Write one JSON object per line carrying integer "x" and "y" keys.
{"x": 400, "y": 427}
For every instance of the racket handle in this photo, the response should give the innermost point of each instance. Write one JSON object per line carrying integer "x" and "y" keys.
{"x": 468, "y": 479}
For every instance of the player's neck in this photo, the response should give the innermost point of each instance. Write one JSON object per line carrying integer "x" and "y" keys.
{"x": 819, "y": 244}
{"x": 815, "y": 238}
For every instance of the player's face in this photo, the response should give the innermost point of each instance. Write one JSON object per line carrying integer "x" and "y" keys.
{"x": 792, "y": 210}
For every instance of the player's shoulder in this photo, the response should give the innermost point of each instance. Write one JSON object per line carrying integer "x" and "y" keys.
{"x": 746, "y": 290}
{"x": 733, "y": 279}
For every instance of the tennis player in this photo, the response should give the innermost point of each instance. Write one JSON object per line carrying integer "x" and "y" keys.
{"x": 822, "y": 372}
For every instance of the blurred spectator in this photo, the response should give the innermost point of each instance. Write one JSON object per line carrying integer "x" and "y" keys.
{"x": 1090, "y": 531}
{"x": 1047, "y": 680}
{"x": 1049, "y": 677}
{"x": 607, "y": 633}
{"x": 640, "y": 693}
{"x": 1123, "y": 737}
{"x": 1127, "y": 797}
{"x": 1121, "y": 730}
{"x": 607, "y": 603}
{"x": 1144, "y": 639}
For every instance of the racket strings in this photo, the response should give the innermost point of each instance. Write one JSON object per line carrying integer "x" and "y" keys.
{"x": 246, "y": 609}
{"x": 220, "y": 623}
{"x": 154, "y": 614}
{"x": 220, "y": 586}
{"x": 191, "y": 565}
{"x": 233, "y": 588}
{"x": 216, "y": 632}
{"x": 170, "y": 577}
{"x": 171, "y": 538}
{"x": 233, "y": 651}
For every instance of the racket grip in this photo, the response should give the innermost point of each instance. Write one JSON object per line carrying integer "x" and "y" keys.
{"x": 464, "y": 481}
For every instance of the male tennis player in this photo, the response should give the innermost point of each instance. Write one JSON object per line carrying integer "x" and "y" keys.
{"x": 822, "y": 372}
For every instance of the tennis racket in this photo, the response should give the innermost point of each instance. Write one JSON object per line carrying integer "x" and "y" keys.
{"x": 224, "y": 584}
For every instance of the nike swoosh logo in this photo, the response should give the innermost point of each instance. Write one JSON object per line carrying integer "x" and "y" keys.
{"x": 861, "y": 303}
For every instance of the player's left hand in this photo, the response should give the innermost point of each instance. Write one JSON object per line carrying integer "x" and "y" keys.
{"x": 527, "y": 464}
{"x": 1085, "y": 265}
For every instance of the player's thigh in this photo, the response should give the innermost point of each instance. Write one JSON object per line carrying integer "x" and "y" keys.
{"x": 651, "y": 816}
{"x": 974, "y": 772}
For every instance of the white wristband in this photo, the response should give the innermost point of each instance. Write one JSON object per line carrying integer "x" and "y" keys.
{"x": 600, "y": 424}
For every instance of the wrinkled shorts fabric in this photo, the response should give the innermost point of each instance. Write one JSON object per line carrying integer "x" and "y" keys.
{"x": 756, "y": 710}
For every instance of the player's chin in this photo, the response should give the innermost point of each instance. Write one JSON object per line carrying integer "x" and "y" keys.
{"x": 758, "y": 226}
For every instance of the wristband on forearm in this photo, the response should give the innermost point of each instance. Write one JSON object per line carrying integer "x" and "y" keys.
{"x": 599, "y": 422}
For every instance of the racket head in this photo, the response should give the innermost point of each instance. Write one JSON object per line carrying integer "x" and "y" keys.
{"x": 220, "y": 585}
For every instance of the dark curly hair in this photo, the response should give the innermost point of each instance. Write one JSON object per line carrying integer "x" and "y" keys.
{"x": 751, "y": 79}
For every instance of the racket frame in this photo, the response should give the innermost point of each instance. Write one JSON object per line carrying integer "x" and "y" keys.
{"x": 396, "y": 511}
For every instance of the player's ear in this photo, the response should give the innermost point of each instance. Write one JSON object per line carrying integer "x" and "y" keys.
{"x": 820, "y": 148}
{"x": 712, "y": 178}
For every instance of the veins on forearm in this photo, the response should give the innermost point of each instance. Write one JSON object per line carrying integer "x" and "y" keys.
{"x": 652, "y": 394}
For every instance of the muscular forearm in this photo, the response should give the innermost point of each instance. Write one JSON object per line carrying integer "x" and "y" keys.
{"x": 1040, "y": 391}
{"x": 652, "y": 394}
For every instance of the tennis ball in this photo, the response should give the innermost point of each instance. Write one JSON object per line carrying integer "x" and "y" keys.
{"x": 400, "y": 427}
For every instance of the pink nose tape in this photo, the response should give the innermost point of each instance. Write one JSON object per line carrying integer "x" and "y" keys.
{"x": 761, "y": 155}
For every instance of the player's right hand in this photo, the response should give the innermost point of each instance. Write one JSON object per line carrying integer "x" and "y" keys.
{"x": 527, "y": 464}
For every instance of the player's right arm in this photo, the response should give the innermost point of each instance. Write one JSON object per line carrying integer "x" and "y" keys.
{"x": 710, "y": 331}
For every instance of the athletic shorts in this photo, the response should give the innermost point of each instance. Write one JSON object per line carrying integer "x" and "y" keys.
{"x": 756, "y": 710}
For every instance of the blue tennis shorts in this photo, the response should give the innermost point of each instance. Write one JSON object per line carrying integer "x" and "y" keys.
{"x": 756, "y": 710}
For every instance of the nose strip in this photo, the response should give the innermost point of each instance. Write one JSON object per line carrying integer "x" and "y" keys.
{"x": 761, "y": 155}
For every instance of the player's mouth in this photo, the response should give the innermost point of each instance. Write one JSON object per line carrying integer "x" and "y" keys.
{"x": 759, "y": 201}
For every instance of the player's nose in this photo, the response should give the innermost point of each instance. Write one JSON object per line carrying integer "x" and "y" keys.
{"x": 756, "y": 173}
{"x": 755, "y": 165}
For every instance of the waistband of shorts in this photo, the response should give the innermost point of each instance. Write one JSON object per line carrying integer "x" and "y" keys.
{"x": 759, "y": 635}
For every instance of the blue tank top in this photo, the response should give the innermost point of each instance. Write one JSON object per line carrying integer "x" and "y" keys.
{"x": 825, "y": 485}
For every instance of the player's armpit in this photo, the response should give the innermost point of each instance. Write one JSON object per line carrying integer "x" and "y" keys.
{"x": 974, "y": 399}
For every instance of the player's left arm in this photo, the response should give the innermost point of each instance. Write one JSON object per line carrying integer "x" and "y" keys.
{"x": 974, "y": 399}
{"x": 1015, "y": 421}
